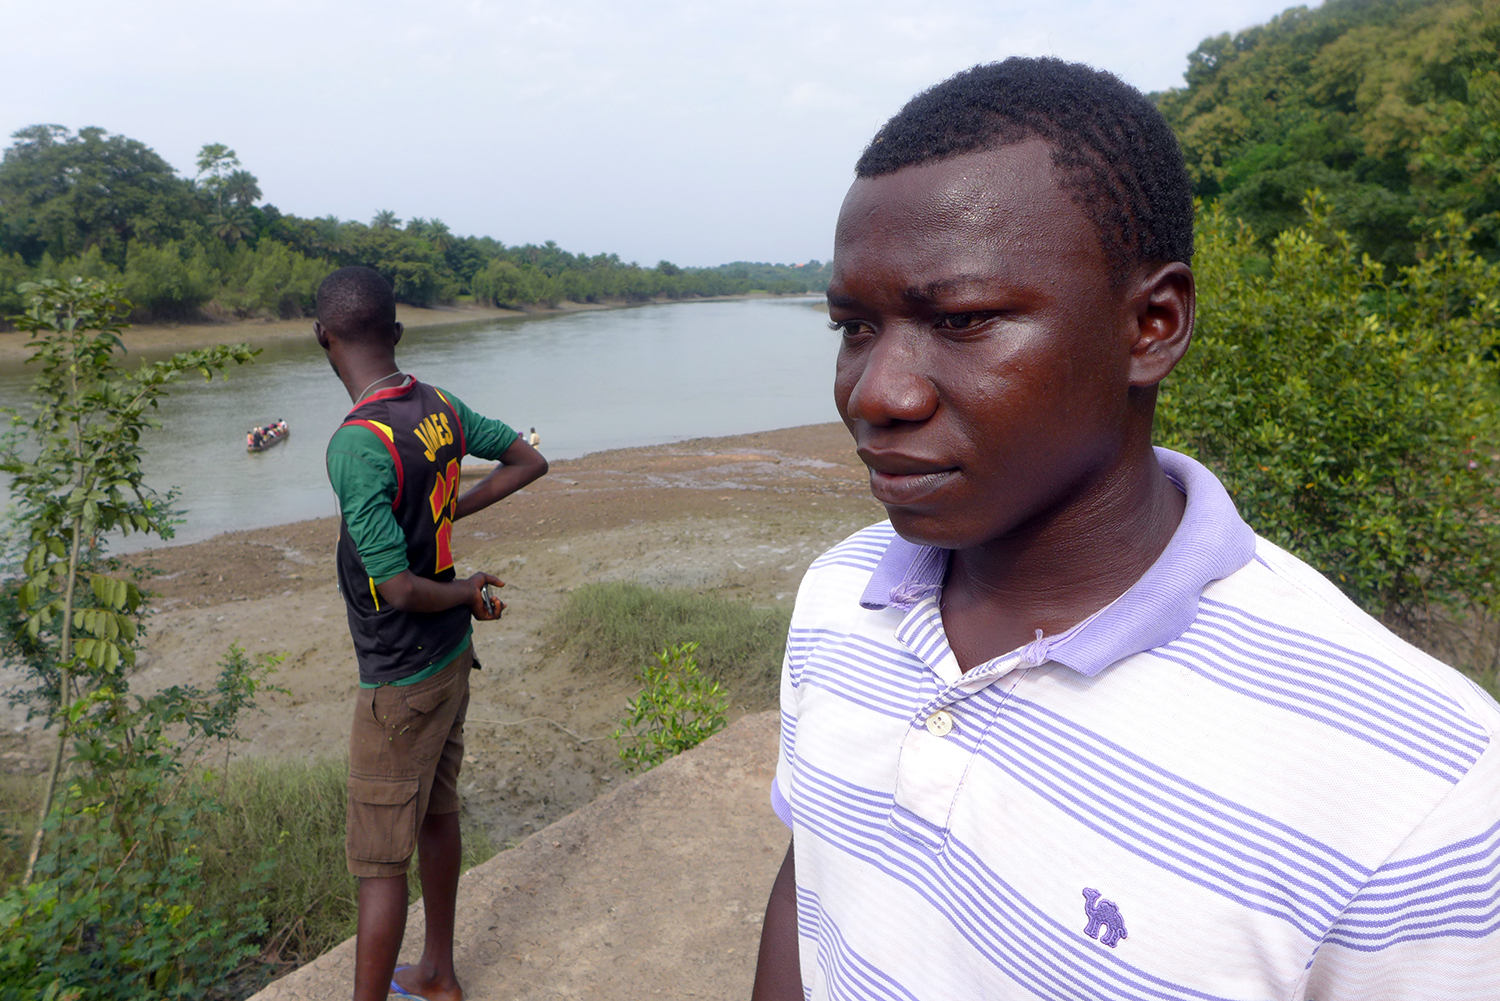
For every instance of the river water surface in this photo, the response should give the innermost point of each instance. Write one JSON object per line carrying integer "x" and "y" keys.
{"x": 587, "y": 381}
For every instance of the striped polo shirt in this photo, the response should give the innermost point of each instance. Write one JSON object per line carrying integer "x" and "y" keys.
{"x": 1228, "y": 783}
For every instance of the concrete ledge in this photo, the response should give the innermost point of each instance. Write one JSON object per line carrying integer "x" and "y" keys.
{"x": 656, "y": 889}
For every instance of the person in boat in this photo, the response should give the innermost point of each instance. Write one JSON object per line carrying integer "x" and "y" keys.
{"x": 394, "y": 464}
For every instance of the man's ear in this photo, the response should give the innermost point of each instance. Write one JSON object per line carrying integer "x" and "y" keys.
{"x": 1163, "y": 302}
{"x": 321, "y": 333}
{"x": 396, "y": 339}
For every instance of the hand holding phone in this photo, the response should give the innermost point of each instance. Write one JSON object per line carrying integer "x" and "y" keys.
{"x": 488, "y": 606}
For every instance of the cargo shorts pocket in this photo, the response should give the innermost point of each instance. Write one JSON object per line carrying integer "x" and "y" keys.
{"x": 382, "y": 819}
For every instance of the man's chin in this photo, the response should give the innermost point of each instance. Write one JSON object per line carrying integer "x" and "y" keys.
{"x": 923, "y": 529}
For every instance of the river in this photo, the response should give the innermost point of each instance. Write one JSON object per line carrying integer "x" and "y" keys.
{"x": 587, "y": 381}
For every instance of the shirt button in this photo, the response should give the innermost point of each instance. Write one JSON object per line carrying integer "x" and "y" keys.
{"x": 940, "y": 724}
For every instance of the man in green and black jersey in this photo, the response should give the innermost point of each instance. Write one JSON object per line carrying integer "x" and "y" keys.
{"x": 394, "y": 464}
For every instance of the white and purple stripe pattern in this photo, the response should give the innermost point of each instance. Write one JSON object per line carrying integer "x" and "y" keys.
{"x": 1283, "y": 800}
{"x": 1334, "y": 685}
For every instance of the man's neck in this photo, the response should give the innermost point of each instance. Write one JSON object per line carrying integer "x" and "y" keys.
{"x": 363, "y": 373}
{"x": 1056, "y": 572}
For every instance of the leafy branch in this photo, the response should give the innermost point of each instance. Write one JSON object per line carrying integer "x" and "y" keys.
{"x": 75, "y": 463}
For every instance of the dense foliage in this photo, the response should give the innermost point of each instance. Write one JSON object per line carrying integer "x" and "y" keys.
{"x": 104, "y": 206}
{"x": 1355, "y": 420}
{"x": 1390, "y": 107}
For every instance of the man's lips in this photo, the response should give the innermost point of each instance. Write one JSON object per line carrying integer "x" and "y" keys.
{"x": 900, "y": 479}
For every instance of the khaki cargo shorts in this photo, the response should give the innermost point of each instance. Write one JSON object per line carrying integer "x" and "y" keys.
{"x": 405, "y": 750}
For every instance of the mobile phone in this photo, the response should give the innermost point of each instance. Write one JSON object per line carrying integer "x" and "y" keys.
{"x": 490, "y": 604}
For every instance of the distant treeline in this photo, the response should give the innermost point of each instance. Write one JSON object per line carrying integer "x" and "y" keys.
{"x": 1390, "y": 107}
{"x": 104, "y": 205}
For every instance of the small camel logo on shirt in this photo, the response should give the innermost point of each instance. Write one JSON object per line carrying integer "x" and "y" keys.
{"x": 1103, "y": 914}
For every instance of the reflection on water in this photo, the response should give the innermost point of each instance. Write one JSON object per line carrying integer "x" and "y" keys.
{"x": 587, "y": 381}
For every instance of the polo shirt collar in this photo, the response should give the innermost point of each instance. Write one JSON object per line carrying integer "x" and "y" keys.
{"x": 1210, "y": 543}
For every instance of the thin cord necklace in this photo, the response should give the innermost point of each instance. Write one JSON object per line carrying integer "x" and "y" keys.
{"x": 372, "y": 385}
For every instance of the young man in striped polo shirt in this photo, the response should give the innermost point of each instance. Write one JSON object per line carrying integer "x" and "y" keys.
{"x": 1065, "y": 727}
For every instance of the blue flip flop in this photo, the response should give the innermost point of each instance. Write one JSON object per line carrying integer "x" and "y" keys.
{"x": 402, "y": 992}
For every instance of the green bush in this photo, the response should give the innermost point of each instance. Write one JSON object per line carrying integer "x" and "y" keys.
{"x": 1353, "y": 421}
{"x": 115, "y": 907}
{"x": 171, "y": 281}
{"x": 13, "y": 272}
{"x": 502, "y": 283}
{"x": 613, "y": 627}
{"x": 108, "y": 909}
{"x": 270, "y": 280}
{"x": 677, "y": 709}
{"x": 275, "y": 824}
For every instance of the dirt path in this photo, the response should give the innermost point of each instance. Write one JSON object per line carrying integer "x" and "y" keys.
{"x": 739, "y": 516}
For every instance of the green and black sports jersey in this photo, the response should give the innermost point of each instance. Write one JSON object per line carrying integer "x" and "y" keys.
{"x": 422, "y": 434}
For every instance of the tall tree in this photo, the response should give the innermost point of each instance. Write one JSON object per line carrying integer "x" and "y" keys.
{"x": 216, "y": 163}
{"x": 61, "y": 194}
{"x": 1345, "y": 98}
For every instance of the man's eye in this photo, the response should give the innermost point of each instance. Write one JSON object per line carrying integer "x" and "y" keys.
{"x": 960, "y": 321}
{"x": 849, "y": 328}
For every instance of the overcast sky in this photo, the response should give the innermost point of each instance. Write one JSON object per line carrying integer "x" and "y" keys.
{"x": 699, "y": 132}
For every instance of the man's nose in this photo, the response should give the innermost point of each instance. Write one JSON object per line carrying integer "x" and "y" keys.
{"x": 892, "y": 383}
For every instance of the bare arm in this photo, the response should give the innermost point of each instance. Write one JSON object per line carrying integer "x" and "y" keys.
{"x": 519, "y": 465}
{"x": 411, "y": 593}
{"x": 778, "y": 971}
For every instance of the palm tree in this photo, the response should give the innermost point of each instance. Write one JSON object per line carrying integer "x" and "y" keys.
{"x": 232, "y": 226}
{"x": 242, "y": 188}
{"x": 439, "y": 236}
{"x": 385, "y": 219}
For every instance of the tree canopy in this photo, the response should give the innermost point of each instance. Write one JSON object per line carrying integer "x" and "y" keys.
{"x": 97, "y": 205}
{"x": 1389, "y": 107}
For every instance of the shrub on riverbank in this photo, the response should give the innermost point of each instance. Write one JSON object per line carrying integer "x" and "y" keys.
{"x": 676, "y": 710}
{"x": 280, "y": 825}
{"x": 616, "y": 627}
{"x": 1354, "y": 419}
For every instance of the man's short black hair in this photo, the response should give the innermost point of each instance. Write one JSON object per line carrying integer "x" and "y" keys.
{"x": 357, "y": 304}
{"x": 1113, "y": 149}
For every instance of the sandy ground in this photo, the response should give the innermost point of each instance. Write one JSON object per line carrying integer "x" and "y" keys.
{"x": 739, "y": 516}
{"x": 152, "y": 340}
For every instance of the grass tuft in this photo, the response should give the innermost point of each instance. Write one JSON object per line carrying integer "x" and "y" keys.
{"x": 618, "y": 628}
{"x": 290, "y": 814}
{"x": 20, "y": 799}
